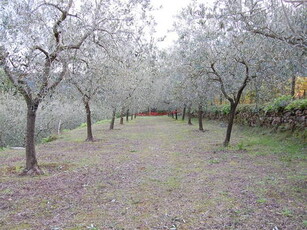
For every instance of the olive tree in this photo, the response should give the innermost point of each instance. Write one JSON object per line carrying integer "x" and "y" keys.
{"x": 37, "y": 38}
{"x": 281, "y": 23}
{"x": 223, "y": 55}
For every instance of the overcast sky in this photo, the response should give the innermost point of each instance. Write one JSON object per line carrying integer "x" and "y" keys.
{"x": 165, "y": 18}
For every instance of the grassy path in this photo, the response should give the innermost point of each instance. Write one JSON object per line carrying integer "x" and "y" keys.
{"x": 157, "y": 173}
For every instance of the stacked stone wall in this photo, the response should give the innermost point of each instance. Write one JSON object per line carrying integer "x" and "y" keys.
{"x": 284, "y": 120}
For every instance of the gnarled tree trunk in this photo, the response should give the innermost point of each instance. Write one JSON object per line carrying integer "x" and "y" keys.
{"x": 121, "y": 122}
{"x": 32, "y": 167}
{"x": 113, "y": 119}
{"x": 127, "y": 115}
{"x": 183, "y": 113}
{"x": 190, "y": 116}
{"x": 231, "y": 117}
{"x": 293, "y": 82}
{"x": 200, "y": 118}
{"x": 59, "y": 127}
{"x": 88, "y": 122}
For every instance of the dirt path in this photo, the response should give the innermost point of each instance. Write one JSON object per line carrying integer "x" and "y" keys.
{"x": 153, "y": 173}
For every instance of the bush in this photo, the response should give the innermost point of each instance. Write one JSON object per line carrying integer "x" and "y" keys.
{"x": 82, "y": 125}
{"x": 297, "y": 104}
{"x": 225, "y": 109}
{"x": 49, "y": 138}
{"x": 212, "y": 109}
{"x": 247, "y": 108}
{"x": 279, "y": 104}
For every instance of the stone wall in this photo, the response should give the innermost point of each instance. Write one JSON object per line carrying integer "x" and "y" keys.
{"x": 284, "y": 120}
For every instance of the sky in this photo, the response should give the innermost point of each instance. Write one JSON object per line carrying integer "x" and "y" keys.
{"x": 165, "y": 18}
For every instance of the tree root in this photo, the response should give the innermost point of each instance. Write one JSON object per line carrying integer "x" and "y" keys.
{"x": 33, "y": 171}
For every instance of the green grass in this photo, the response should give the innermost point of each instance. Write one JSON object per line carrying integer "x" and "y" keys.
{"x": 103, "y": 121}
{"x": 260, "y": 143}
{"x": 214, "y": 161}
{"x": 172, "y": 183}
{"x": 50, "y": 138}
{"x": 3, "y": 149}
{"x": 82, "y": 125}
{"x": 241, "y": 146}
{"x": 287, "y": 212}
{"x": 261, "y": 200}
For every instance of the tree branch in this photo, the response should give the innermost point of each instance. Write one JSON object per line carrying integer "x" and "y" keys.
{"x": 60, "y": 78}
{"x": 295, "y": 41}
{"x": 246, "y": 79}
{"x": 77, "y": 45}
{"x": 219, "y": 79}
{"x": 42, "y": 50}
{"x": 56, "y": 32}
{"x": 20, "y": 85}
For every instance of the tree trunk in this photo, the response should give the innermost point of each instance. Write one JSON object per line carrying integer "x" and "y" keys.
{"x": 190, "y": 116}
{"x": 127, "y": 115}
{"x": 59, "y": 127}
{"x": 135, "y": 116}
{"x": 257, "y": 97}
{"x": 176, "y": 114}
{"x": 122, "y": 117}
{"x": 221, "y": 99}
{"x": 1, "y": 142}
{"x": 32, "y": 167}
{"x": 293, "y": 81}
{"x": 131, "y": 116}
{"x": 172, "y": 114}
{"x": 88, "y": 122}
{"x": 200, "y": 118}
{"x": 231, "y": 117}
{"x": 183, "y": 113}
{"x": 113, "y": 119}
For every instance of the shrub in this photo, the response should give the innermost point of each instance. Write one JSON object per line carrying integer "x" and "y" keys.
{"x": 49, "y": 138}
{"x": 278, "y": 104}
{"x": 297, "y": 104}
{"x": 212, "y": 109}
{"x": 82, "y": 125}
{"x": 225, "y": 109}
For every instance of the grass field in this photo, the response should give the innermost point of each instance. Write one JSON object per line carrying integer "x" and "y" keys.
{"x": 158, "y": 173}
